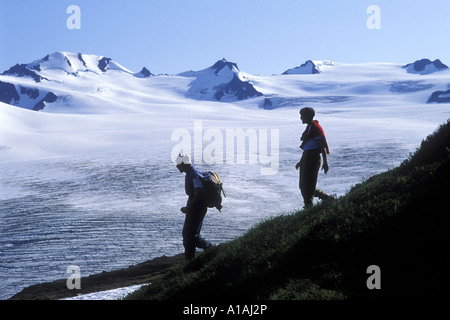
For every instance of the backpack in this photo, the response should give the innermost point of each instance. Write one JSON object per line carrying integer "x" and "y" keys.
{"x": 213, "y": 191}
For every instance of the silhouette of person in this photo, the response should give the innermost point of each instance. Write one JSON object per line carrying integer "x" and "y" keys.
{"x": 314, "y": 143}
{"x": 195, "y": 208}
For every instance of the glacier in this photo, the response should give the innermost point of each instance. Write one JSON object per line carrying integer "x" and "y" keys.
{"x": 89, "y": 179}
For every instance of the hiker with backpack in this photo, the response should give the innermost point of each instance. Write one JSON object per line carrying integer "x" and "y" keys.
{"x": 202, "y": 193}
{"x": 313, "y": 145}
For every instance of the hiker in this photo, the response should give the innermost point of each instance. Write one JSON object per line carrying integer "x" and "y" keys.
{"x": 195, "y": 208}
{"x": 313, "y": 144}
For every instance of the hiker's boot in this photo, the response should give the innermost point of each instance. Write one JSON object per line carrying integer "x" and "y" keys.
{"x": 307, "y": 205}
{"x": 207, "y": 246}
{"x": 323, "y": 196}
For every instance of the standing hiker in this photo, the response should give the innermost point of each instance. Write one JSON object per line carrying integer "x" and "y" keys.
{"x": 313, "y": 144}
{"x": 195, "y": 208}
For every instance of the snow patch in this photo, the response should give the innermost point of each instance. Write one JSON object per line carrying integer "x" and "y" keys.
{"x": 114, "y": 294}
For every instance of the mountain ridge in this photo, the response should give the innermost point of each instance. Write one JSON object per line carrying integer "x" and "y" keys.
{"x": 223, "y": 81}
{"x": 310, "y": 67}
{"x": 103, "y": 64}
{"x": 425, "y": 66}
{"x": 70, "y": 63}
{"x": 50, "y": 81}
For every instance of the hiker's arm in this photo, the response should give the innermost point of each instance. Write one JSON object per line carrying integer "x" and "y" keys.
{"x": 325, "y": 161}
{"x": 198, "y": 189}
{"x": 192, "y": 200}
{"x": 197, "y": 195}
{"x": 323, "y": 150}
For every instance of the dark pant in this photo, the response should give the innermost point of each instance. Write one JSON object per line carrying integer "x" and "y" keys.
{"x": 309, "y": 169}
{"x": 191, "y": 230}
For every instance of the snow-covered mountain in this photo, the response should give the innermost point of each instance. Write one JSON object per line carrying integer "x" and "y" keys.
{"x": 52, "y": 78}
{"x": 66, "y": 62}
{"x": 310, "y": 67}
{"x": 222, "y": 82}
{"x": 27, "y": 97}
{"x": 86, "y": 83}
{"x": 425, "y": 66}
{"x": 144, "y": 73}
{"x": 59, "y": 76}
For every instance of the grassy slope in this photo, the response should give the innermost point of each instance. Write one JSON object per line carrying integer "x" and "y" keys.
{"x": 397, "y": 220}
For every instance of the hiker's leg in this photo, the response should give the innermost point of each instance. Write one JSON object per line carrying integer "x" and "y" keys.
{"x": 309, "y": 169}
{"x": 322, "y": 195}
{"x": 199, "y": 241}
{"x": 191, "y": 231}
{"x": 307, "y": 198}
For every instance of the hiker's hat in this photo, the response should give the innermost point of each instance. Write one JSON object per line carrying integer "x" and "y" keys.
{"x": 183, "y": 158}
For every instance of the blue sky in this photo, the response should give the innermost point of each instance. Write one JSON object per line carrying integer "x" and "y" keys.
{"x": 261, "y": 36}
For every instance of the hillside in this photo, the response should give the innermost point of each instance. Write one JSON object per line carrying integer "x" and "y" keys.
{"x": 396, "y": 220}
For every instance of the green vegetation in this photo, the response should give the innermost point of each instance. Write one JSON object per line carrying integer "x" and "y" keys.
{"x": 396, "y": 220}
